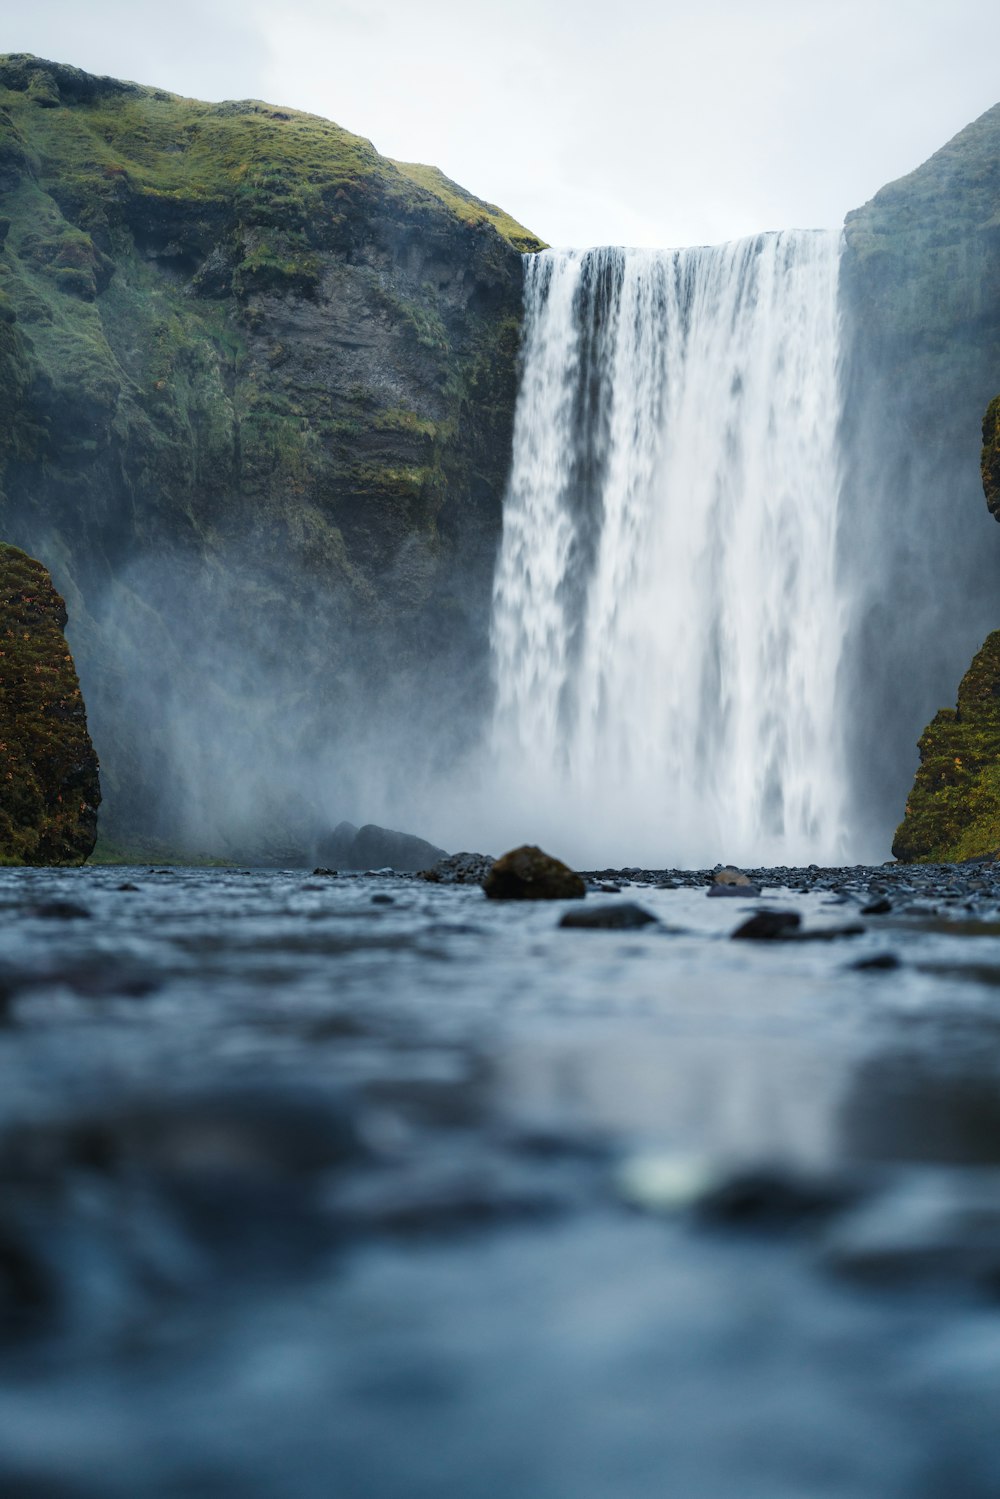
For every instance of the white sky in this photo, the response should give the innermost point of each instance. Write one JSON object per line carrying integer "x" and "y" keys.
{"x": 686, "y": 122}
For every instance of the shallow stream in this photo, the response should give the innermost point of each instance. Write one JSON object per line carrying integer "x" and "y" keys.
{"x": 369, "y": 1188}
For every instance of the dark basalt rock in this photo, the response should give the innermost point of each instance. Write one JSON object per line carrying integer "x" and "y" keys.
{"x": 734, "y": 891}
{"x": 773, "y": 1197}
{"x": 48, "y": 768}
{"x": 769, "y": 926}
{"x": 620, "y": 916}
{"x": 883, "y": 962}
{"x": 459, "y": 869}
{"x": 527, "y": 873}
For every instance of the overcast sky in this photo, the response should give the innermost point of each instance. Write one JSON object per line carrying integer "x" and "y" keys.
{"x": 630, "y": 123}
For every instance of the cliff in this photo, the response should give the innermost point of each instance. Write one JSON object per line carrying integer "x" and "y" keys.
{"x": 953, "y": 811}
{"x": 48, "y": 769}
{"x": 256, "y": 398}
{"x": 920, "y": 288}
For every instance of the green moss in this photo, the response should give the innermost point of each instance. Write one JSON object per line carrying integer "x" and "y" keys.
{"x": 953, "y": 811}
{"x": 48, "y": 770}
{"x": 235, "y": 339}
{"x": 139, "y": 851}
{"x": 473, "y": 211}
{"x": 990, "y": 464}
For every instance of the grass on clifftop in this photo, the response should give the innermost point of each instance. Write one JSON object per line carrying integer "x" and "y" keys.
{"x": 281, "y": 168}
{"x": 469, "y": 208}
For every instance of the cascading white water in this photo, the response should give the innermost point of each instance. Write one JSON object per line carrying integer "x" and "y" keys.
{"x": 667, "y": 619}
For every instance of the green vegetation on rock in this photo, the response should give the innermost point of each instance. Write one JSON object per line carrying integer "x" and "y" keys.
{"x": 953, "y": 811}
{"x": 256, "y": 399}
{"x": 472, "y": 210}
{"x": 49, "y": 787}
{"x": 920, "y": 297}
{"x": 990, "y": 464}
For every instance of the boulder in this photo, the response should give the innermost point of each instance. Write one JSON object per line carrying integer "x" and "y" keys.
{"x": 527, "y": 873}
{"x": 49, "y": 771}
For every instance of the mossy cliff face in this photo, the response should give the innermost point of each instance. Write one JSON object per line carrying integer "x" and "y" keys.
{"x": 256, "y": 398}
{"x": 989, "y": 467}
{"x": 953, "y": 811}
{"x": 920, "y": 286}
{"x": 49, "y": 787}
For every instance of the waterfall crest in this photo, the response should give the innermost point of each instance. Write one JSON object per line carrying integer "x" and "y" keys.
{"x": 667, "y": 618}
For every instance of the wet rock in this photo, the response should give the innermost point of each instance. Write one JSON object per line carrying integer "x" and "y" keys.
{"x": 768, "y": 926}
{"x": 880, "y": 907}
{"x": 459, "y": 869}
{"x": 527, "y": 873}
{"x": 26, "y": 1293}
{"x": 383, "y": 900}
{"x": 882, "y": 962}
{"x": 736, "y": 890}
{"x": 330, "y": 874}
{"x": 51, "y": 786}
{"x": 774, "y": 1197}
{"x": 621, "y": 916}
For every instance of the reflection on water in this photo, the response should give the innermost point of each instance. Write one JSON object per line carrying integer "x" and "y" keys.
{"x": 304, "y": 1193}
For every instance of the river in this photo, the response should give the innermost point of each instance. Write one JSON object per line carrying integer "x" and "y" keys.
{"x": 366, "y": 1187}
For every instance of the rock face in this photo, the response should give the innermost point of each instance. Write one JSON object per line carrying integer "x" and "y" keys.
{"x": 953, "y": 811}
{"x": 920, "y": 290}
{"x": 48, "y": 769}
{"x": 372, "y": 847}
{"x": 526, "y": 873}
{"x": 989, "y": 466}
{"x": 256, "y": 399}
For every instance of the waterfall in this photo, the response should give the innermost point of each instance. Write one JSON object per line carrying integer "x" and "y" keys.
{"x": 667, "y": 619}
